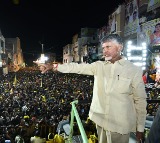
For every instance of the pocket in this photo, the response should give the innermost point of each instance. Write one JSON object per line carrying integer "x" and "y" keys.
{"x": 123, "y": 85}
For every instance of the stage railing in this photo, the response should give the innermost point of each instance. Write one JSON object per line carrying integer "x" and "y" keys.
{"x": 74, "y": 113}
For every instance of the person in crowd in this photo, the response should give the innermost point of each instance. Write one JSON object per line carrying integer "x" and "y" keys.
{"x": 19, "y": 137}
{"x": 118, "y": 105}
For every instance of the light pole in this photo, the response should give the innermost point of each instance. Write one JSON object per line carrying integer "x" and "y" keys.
{"x": 42, "y": 47}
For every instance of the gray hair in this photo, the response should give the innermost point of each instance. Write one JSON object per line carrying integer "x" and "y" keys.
{"x": 112, "y": 37}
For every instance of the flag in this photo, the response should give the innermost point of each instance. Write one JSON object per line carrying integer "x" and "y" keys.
{"x": 62, "y": 100}
{"x": 15, "y": 80}
{"x": 11, "y": 91}
{"x": 87, "y": 120}
{"x": 43, "y": 98}
{"x": 93, "y": 139}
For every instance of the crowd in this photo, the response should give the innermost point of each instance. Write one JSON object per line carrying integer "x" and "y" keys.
{"x": 32, "y": 103}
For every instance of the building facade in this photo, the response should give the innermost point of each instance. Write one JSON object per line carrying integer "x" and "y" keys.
{"x": 14, "y": 52}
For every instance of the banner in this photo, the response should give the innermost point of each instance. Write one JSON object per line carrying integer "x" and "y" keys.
{"x": 150, "y": 33}
{"x": 131, "y": 18}
{"x": 155, "y": 36}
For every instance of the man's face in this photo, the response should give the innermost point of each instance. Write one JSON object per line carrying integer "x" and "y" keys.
{"x": 111, "y": 50}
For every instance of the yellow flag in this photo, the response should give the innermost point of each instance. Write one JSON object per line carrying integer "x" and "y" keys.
{"x": 11, "y": 91}
{"x": 62, "y": 100}
{"x": 58, "y": 139}
{"x": 15, "y": 80}
{"x": 93, "y": 139}
{"x": 90, "y": 140}
{"x": 43, "y": 98}
{"x": 87, "y": 120}
{"x": 25, "y": 117}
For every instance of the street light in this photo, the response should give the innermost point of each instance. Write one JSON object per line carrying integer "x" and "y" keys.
{"x": 43, "y": 59}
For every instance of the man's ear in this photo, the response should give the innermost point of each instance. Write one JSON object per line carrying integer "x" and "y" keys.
{"x": 120, "y": 48}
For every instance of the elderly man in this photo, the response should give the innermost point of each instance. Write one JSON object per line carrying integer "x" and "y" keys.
{"x": 118, "y": 105}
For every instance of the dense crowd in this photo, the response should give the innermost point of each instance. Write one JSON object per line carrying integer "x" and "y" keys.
{"x": 32, "y": 103}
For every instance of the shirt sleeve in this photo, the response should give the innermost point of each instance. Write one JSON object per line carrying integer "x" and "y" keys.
{"x": 139, "y": 96}
{"x": 88, "y": 69}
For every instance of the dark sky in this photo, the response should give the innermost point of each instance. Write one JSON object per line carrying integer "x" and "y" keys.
{"x": 51, "y": 22}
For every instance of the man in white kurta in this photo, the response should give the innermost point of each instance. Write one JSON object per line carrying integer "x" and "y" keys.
{"x": 118, "y": 105}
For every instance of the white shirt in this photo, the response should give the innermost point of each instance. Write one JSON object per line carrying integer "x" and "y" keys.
{"x": 119, "y": 96}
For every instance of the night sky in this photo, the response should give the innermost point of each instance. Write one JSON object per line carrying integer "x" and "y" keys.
{"x": 50, "y": 22}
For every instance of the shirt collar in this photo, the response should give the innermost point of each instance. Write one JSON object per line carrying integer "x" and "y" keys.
{"x": 121, "y": 61}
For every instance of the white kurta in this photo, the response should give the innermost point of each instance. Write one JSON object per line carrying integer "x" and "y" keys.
{"x": 119, "y": 96}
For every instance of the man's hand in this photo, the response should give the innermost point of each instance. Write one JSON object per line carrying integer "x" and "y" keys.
{"x": 44, "y": 67}
{"x": 140, "y": 137}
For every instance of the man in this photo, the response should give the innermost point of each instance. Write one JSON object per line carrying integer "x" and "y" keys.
{"x": 119, "y": 99}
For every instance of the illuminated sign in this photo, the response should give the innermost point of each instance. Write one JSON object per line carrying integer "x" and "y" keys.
{"x": 137, "y": 55}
